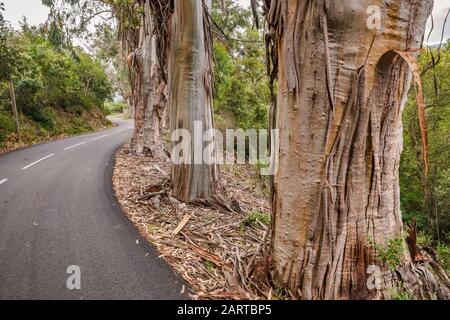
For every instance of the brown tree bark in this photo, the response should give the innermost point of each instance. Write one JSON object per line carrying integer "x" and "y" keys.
{"x": 190, "y": 100}
{"x": 342, "y": 89}
{"x": 150, "y": 95}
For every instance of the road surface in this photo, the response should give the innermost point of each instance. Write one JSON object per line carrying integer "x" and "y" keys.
{"x": 57, "y": 210}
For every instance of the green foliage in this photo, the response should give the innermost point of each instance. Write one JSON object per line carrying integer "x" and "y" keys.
{"x": 255, "y": 216}
{"x": 241, "y": 85}
{"x": 424, "y": 239}
{"x": 6, "y": 125}
{"x": 9, "y": 59}
{"x": 443, "y": 253}
{"x": 77, "y": 126}
{"x": 50, "y": 83}
{"x": 64, "y": 124}
{"x": 428, "y": 199}
{"x": 391, "y": 255}
{"x": 114, "y": 107}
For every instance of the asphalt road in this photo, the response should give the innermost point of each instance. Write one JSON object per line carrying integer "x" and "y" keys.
{"x": 57, "y": 210}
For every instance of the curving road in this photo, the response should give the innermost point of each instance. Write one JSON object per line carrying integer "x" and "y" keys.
{"x": 57, "y": 210}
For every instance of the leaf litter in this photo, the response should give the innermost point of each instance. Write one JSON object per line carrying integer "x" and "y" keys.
{"x": 208, "y": 243}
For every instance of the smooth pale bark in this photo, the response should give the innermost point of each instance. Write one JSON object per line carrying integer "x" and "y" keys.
{"x": 190, "y": 98}
{"x": 342, "y": 89}
{"x": 14, "y": 107}
{"x": 150, "y": 100}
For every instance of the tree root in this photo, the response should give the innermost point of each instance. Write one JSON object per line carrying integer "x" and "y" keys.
{"x": 423, "y": 278}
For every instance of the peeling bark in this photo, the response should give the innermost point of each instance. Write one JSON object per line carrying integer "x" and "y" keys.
{"x": 150, "y": 101}
{"x": 190, "y": 100}
{"x": 342, "y": 89}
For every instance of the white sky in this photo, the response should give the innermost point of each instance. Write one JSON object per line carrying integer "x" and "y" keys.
{"x": 36, "y": 13}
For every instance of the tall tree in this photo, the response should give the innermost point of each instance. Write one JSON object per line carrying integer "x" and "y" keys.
{"x": 190, "y": 99}
{"x": 342, "y": 88}
{"x": 150, "y": 62}
{"x": 9, "y": 63}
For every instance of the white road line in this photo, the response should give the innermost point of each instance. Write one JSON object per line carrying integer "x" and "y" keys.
{"x": 126, "y": 129}
{"x": 77, "y": 145}
{"x": 101, "y": 137}
{"x": 3, "y": 181}
{"x": 36, "y": 162}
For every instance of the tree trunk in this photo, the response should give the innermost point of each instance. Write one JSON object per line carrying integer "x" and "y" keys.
{"x": 342, "y": 89}
{"x": 151, "y": 101}
{"x": 190, "y": 100}
{"x": 14, "y": 107}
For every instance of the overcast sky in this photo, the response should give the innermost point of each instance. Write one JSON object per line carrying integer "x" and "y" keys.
{"x": 36, "y": 13}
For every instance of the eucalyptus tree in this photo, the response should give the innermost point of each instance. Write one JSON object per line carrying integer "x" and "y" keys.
{"x": 191, "y": 97}
{"x": 343, "y": 73}
{"x": 150, "y": 64}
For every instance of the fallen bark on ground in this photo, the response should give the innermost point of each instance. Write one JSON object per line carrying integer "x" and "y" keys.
{"x": 215, "y": 244}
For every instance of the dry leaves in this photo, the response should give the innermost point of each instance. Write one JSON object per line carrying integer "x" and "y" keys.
{"x": 209, "y": 247}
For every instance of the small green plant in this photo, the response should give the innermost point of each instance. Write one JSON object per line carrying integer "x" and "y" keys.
{"x": 209, "y": 265}
{"x": 262, "y": 165}
{"x": 255, "y": 216}
{"x": 424, "y": 239}
{"x": 151, "y": 229}
{"x": 443, "y": 253}
{"x": 441, "y": 248}
{"x": 392, "y": 254}
{"x": 114, "y": 107}
{"x": 399, "y": 293}
{"x": 6, "y": 125}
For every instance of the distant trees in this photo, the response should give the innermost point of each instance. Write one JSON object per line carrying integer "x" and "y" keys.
{"x": 9, "y": 64}
{"x": 241, "y": 95}
{"x": 48, "y": 79}
{"x": 425, "y": 198}
{"x": 339, "y": 86}
{"x": 141, "y": 62}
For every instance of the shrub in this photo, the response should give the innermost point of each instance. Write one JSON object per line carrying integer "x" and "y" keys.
{"x": 7, "y": 125}
{"x": 443, "y": 253}
{"x": 114, "y": 107}
{"x": 392, "y": 254}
